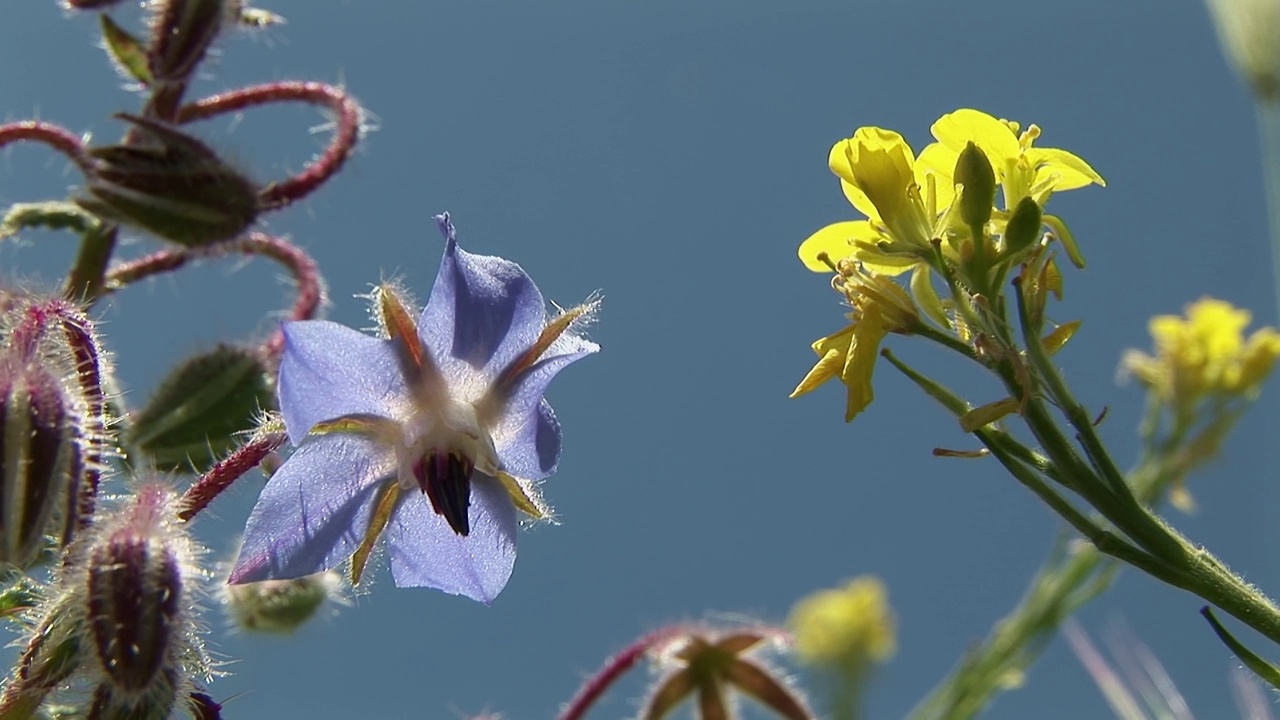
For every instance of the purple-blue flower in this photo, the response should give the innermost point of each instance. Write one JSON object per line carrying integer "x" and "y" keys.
{"x": 432, "y": 436}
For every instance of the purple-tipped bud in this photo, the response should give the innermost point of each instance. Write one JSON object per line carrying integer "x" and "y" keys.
{"x": 138, "y": 599}
{"x": 170, "y": 184}
{"x": 41, "y": 460}
{"x": 183, "y": 30}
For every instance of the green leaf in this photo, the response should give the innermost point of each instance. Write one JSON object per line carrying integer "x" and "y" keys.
{"x": 1260, "y": 667}
{"x": 128, "y": 53}
{"x": 192, "y": 418}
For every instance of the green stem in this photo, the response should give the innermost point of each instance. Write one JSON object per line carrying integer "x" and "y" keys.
{"x": 87, "y": 279}
{"x": 1268, "y": 110}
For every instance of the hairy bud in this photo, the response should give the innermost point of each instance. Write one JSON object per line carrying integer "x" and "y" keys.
{"x": 138, "y": 596}
{"x": 281, "y": 606}
{"x": 170, "y": 184}
{"x": 41, "y": 460}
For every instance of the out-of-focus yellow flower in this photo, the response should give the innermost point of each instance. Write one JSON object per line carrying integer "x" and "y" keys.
{"x": 1204, "y": 354}
{"x": 847, "y": 625}
{"x": 1250, "y": 34}
{"x": 1021, "y": 169}
{"x": 880, "y": 306}
{"x": 905, "y": 206}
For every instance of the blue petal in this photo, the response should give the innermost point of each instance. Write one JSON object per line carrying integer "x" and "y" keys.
{"x": 425, "y": 552}
{"x": 314, "y": 510}
{"x": 329, "y": 370}
{"x": 527, "y": 436}
{"x": 483, "y": 310}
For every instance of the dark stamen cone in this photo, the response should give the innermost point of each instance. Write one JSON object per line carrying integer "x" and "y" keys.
{"x": 445, "y": 478}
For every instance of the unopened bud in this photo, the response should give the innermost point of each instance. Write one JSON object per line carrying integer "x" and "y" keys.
{"x": 138, "y": 602}
{"x": 170, "y": 184}
{"x": 973, "y": 170}
{"x": 41, "y": 460}
{"x": 1023, "y": 228}
{"x": 184, "y": 30}
{"x": 281, "y": 606}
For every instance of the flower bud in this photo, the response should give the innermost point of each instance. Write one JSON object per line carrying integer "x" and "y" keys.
{"x": 184, "y": 30}
{"x": 109, "y": 703}
{"x": 1250, "y": 34}
{"x": 281, "y": 606}
{"x": 41, "y": 460}
{"x": 138, "y": 597}
{"x": 973, "y": 170}
{"x": 1023, "y": 228}
{"x": 170, "y": 184}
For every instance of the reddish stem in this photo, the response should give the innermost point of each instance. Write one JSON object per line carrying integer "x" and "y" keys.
{"x": 227, "y": 471}
{"x": 310, "y": 295}
{"x": 55, "y": 136}
{"x": 90, "y": 4}
{"x": 345, "y": 109}
{"x": 614, "y": 668}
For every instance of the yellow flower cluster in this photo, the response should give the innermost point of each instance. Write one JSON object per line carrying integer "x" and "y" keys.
{"x": 846, "y": 625}
{"x": 914, "y": 222}
{"x": 1204, "y": 354}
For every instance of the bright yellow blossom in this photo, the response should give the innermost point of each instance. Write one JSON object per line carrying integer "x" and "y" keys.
{"x": 880, "y": 306}
{"x": 850, "y": 624}
{"x": 901, "y": 199}
{"x": 1205, "y": 354}
{"x": 1021, "y": 169}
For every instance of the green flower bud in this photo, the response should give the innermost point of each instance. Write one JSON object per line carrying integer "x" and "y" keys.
{"x": 281, "y": 606}
{"x": 169, "y": 184}
{"x": 973, "y": 170}
{"x": 1023, "y": 228}
{"x": 109, "y": 703}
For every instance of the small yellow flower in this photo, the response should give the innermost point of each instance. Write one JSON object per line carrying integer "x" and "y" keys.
{"x": 881, "y": 306}
{"x": 901, "y": 199}
{"x": 847, "y": 625}
{"x": 1205, "y": 354}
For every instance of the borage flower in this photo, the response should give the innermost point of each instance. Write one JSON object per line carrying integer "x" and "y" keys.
{"x": 451, "y": 407}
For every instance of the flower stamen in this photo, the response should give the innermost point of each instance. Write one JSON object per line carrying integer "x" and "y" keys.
{"x": 445, "y": 478}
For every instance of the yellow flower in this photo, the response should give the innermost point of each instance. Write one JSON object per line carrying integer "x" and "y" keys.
{"x": 845, "y": 625}
{"x": 1205, "y": 354}
{"x": 881, "y": 306}
{"x": 901, "y": 199}
{"x": 1021, "y": 169}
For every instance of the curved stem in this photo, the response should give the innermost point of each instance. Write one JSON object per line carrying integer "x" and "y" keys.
{"x": 227, "y": 471}
{"x": 614, "y": 668}
{"x": 55, "y": 136}
{"x": 347, "y": 117}
{"x": 310, "y": 295}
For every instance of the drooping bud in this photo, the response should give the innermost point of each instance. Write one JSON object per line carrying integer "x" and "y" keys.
{"x": 281, "y": 606}
{"x": 973, "y": 170}
{"x": 41, "y": 460}
{"x": 138, "y": 594}
{"x": 1250, "y": 34}
{"x": 170, "y": 184}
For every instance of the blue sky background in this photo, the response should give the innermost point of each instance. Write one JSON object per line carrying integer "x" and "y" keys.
{"x": 673, "y": 154}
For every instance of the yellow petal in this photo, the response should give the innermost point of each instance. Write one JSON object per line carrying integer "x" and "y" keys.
{"x": 836, "y": 240}
{"x": 995, "y": 138}
{"x": 831, "y": 351}
{"x": 1072, "y": 172}
{"x": 860, "y": 361}
{"x": 882, "y": 165}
